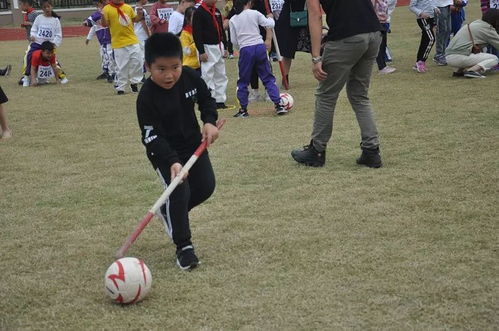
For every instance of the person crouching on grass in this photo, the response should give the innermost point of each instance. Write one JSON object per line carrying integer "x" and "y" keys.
{"x": 43, "y": 65}
{"x": 171, "y": 134}
{"x": 119, "y": 17}
{"x": 245, "y": 33}
{"x": 46, "y": 27}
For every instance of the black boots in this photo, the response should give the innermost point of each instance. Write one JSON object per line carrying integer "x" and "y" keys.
{"x": 309, "y": 156}
{"x": 370, "y": 158}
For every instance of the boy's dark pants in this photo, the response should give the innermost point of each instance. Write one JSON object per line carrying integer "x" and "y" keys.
{"x": 198, "y": 187}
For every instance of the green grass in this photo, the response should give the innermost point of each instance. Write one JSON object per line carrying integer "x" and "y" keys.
{"x": 413, "y": 245}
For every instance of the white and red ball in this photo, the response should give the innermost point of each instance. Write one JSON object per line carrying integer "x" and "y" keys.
{"x": 287, "y": 101}
{"x": 128, "y": 280}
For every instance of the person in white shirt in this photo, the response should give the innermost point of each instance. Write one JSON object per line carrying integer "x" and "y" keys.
{"x": 177, "y": 19}
{"x": 245, "y": 34}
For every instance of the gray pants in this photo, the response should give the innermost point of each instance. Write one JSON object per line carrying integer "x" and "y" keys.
{"x": 444, "y": 29}
{"x": 348, "y": 61}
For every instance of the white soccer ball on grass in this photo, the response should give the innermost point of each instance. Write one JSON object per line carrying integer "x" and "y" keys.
{"x": 128, "y": 280}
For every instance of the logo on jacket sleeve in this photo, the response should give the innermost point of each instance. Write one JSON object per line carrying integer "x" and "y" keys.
{"x": 191, "y": 93}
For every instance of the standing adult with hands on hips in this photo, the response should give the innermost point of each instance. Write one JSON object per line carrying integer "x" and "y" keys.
{"x": 352, "y": 46}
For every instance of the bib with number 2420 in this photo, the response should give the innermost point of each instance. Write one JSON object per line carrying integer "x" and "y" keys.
{"x": 165, "y": 13}
{"x": 45, "y": 32}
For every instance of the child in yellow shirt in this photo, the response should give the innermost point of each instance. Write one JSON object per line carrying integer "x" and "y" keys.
{"x": 119, "y": 17}
{"x": 187, "y": 40}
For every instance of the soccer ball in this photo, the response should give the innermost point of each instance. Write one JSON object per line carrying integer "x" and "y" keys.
{"x": 287, "y": 101}
{"x": 127, "y": 280}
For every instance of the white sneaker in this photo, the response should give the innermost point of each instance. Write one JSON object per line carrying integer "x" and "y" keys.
{"x": 25, "y": 81}
{"x": 387, "y": 70}
{"x": 64, "y": 80}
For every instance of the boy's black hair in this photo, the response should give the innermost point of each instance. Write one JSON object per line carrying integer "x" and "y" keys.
{"x": 188, "y": 15}
{"x": 491, "y": 16}
{"x": 179, "y": 1}
{"x": 162, "y": 45}
{"x": 29, "y": 2}
{"x": 47, "y": 46}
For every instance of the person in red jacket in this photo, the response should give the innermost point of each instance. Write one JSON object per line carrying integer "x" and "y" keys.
{"x": 160, "y": 15}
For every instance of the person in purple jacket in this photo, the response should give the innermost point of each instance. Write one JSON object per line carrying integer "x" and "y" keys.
{"x": 104, "y": 37}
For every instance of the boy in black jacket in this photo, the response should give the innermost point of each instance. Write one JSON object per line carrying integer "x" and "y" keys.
{"x": 171, "y": 133}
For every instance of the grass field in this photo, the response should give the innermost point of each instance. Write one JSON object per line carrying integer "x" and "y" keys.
{"x": 413, "y": 245}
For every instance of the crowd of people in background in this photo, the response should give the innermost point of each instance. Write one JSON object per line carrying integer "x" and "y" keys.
{"x": 208, "y": 37}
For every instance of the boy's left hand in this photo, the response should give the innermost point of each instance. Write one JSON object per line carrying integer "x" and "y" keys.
{"x": 210, "y": 134}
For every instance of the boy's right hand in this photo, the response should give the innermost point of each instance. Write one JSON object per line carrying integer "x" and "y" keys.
{"x": 175, "y": 170}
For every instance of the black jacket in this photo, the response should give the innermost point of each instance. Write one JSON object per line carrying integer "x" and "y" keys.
{"x": 169, "y": 126}
{"x": 204, "y": 30}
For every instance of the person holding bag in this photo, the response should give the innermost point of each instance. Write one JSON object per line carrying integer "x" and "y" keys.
{"x": 292, "y": 31}
{"x": 464, "y": 50}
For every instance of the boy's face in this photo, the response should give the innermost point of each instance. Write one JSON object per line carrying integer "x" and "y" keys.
{"x": 165, "y": 71}
{"x": 24, "y": 6}
{"x": 116, "y": 2}
{"x": 46, "y": 54}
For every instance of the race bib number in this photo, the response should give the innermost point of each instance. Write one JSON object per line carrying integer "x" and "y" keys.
{"x": 45, "y": 72}
{"x": 45, "y": 32}
{"x": 494, "y": 4}
{"x": 276, "y": 5}
{"x": 165, "y": 13}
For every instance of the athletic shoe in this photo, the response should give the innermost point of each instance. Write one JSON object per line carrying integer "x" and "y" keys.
{"x": 6, "y": 71}
{"x": 370, "y": 158}
{"x": 473, "y": 74}
{"x": 186, "y": 258}
{"x": 231, "y": 56}
{"x": 242, "y": 113}
{"x": 64, "y": 80}
{"x": 134, "y": 88}
{"x": 309, "y": 156}
{"x": 458, "y": 74}
{"x": 102, "y": 76}
{"x": 387, "y": 70}
{"x": 279, "y": 110}
{"x": 221, "y": 105}
{"x": 254, "y": 95}
{"x": 440, "y": 61}
{"x": 25, "y": 81}
{"x": 420, "y": 67}
{"x": 121, "y": 92}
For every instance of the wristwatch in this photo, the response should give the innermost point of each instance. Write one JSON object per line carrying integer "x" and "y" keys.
{"x": 316, "y": 59}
